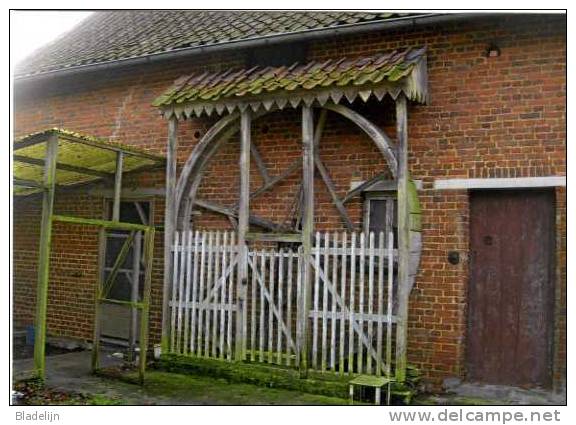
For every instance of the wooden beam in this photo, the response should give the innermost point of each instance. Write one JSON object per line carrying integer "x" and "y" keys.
{"x": 274, "y": 237}
{"x": 120, "y": 259}
{"x": 134, "y": 290}
{"x": 243, "y": 227}
{"x": 149, "y": 258}
{"x": 44, "y": 256}
{"x": 28, "y": 183}
{"x": 64, "y": 167}
{"x": 307, "y": 231}
{"x": 232, "y": 212}
{"x": 277, "y": 179}
{"x": 117, "y": 187}
{"x": 403, "y": 238}
{"x": 361, "y": 187}
{"x": 169, "y": 227}
{"x": 106, "y": 224}
{"x": 259, "y": 163}
{"x": 332, "y": 190}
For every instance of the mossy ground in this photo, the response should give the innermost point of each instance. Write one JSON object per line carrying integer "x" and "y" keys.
{"x": 183, "y": 389}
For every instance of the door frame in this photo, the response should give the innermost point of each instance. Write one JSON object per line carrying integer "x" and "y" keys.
{"x": 552, "y": 273}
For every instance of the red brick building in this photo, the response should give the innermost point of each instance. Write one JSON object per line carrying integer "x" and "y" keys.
{"x": 486, "y": 150}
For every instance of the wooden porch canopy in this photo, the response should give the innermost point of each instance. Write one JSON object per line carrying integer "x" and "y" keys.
{"x": 81, "y": 159}
{"x": 314, "y": 83}
{"x": 245, "y": 94}
{"x": 55, "y": 158}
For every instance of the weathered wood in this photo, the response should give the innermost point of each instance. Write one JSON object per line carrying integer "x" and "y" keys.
{"x": 361, "y": 300}
{"x": 181, "y": 281}
{"x": 315, "y": 297}
{"x": 95, "y": 355}
{"x": 173, "y": 292}
{"x": 307, "y": 233}
{"x": 380, "y": 303}
{"x": 389, "y": 306}
{"x": 27, "y": 183}
{"x": 289, "y": 304}
{"x": 370, "y": 295}
{"x": 194, "y": 292}
{"x": 189, "y": 247}
{"x": 243, "y": 228}
{"x": 332, "y": 191}
{"x": 253, "y": 219}
{"x": 65, "y": 167}
{"x": 117, "y": 264}
{"x": 259, "y": 163}
{"x": 209, "y": 294}
{"x": 273, "y": 181}
{"x": 169, "y": 225}
{"x": 363, "y": 186}
{"x": 343, "y": 281}
{"x": 403, "y": 237}
{"x": 106, "y": 224}
{"x": 274, "y": 237}
{"x": 280, "y": 304}
{"x": 271, "y": 305}
{"x": 253, "y": 312}
{"x": 333, "y": 320}
{"x": 49, "y": 180}
{"x": 352, "y": 302}
{"x": 217, "y": 260}
{"x": 144, "y": 315}
{"x": 325, "y": 302}
{"x": 233, "y": 257}
{"x": 117, "y": 187}
{"x": 382, "y": 141}
{"x": 201, "y": 284}
{"x": 262, "y": 304}
{"x": 223, "y": 293}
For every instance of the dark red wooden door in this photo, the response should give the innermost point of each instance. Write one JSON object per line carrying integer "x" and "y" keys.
{"x": 511, "y": 289}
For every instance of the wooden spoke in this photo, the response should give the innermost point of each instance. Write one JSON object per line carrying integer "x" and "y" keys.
{"x": 259, "y": 163}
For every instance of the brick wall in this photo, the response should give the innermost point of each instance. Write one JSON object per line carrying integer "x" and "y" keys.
{"x": 488, "y": 117}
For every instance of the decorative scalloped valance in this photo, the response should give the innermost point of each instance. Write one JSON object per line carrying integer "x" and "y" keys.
{"x": 313, "y": 83}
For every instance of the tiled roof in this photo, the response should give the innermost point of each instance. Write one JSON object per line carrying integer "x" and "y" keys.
{"x": 234, "y": 85}
{"x": 117, "y": 35}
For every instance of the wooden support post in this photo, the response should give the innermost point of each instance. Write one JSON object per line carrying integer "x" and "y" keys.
{"x": 243, "y": 216}
{"x": 102, "y": 238}
{"x": 169, "y": 228}
{"x": 136, "y": 254}
{"x": 307, "y": 233}
{"x": 403, "y": 238}
{"x": 44, "y": 255}
{"x": 117, "y": 187}
{"x": 144, "y": 312}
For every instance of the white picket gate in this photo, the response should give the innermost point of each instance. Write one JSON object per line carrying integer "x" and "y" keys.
{"x": 352, "y": 301}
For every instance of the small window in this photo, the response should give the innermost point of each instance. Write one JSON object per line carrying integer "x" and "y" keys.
{"x": 282, "y": 54}
{"x": 377, "y": 206}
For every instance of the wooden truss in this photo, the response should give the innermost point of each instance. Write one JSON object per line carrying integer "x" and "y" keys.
{"x": 181, "y": 197}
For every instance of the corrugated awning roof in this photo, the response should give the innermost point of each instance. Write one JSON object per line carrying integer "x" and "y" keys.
{"x": 387, "y": 73}
{"x": 81, "y": 159}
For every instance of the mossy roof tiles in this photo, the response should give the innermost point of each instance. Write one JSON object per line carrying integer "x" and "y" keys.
{"x": 116, "y": 35}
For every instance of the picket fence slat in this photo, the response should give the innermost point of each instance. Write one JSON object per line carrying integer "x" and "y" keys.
{"x": 351, "y": 317}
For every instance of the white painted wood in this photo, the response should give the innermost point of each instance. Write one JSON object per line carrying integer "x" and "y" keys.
{"x": 333, "y": 321}
{"x": 223, "y": 295}
{"x": 253, "y": 305}
{"x": 216, "y": 300}
{"x": 389, "y": 306}
{"x": 279, "y": 334}
{"x": 342, "y": 324}
{"x": 352, "y": 300}
{"x": 370, "y": 296}
{"x": 209, "y": 283}
{"x": 316, "y": 252}
{"x": 201, "y": 284}
{"x": 380, "y": 304}
{"x": 181, "y": 281}
{"x": 289, "y": 305}
{"x": 361, "y": 301}
{"x": 325, "y": 301}
{"x": 500, "y": 183}
{"x": 271, "y": 279}
{"x": 188, "y": 284}
{"x": 194, "y": 292}
{"x": 262, "y": 306}
{"x": 174, "y": 290}
{"x": 231, "y": 280}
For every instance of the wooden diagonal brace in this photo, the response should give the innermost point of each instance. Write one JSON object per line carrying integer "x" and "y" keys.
{"x": 117, "y": 264}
